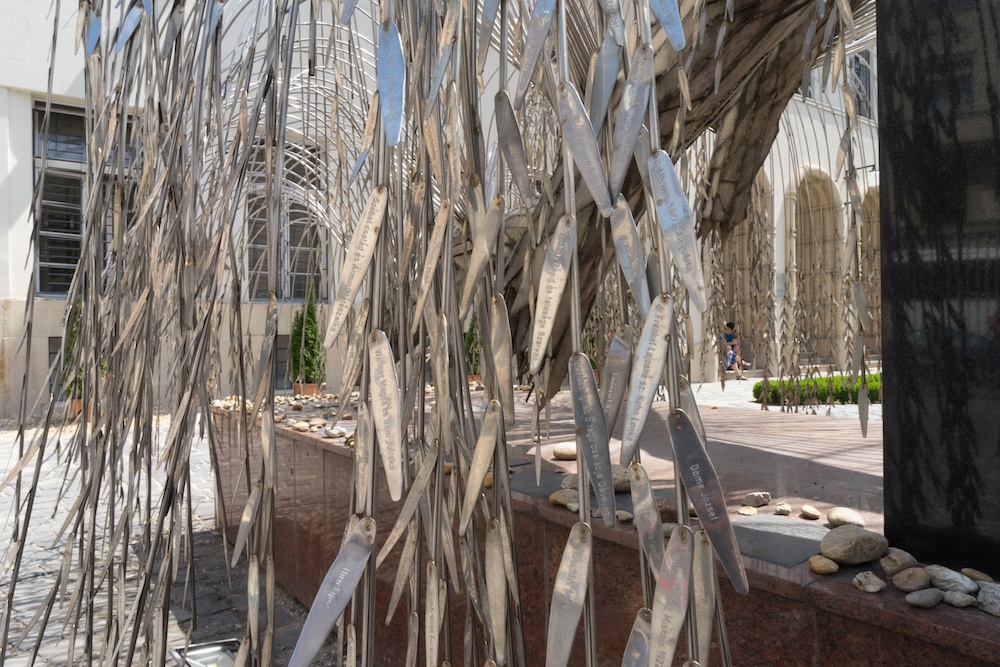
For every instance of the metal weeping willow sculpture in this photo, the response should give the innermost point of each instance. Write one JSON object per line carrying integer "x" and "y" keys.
{"x": 374, "y": 119}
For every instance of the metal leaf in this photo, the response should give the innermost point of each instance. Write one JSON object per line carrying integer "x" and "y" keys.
{"x": 578, "y": 134}
{"x": 592, "y": 433}
{"x": 568, "y": 596}
{"x": 496, "y": 591}
{"x": 606, "y": 68}
{"x": 669, "y": 16}
{"x": 555, "y": 273}
{"x": 705, "y": 490}
{"x": 500, "y": 344}
{"x": 630, "y": 253}
{"x": 334, "y": 593}
{"x": 391, "y": 75}
{"x": 538, "y": 30}
{"x": 431, "y": 259}
{"x": 481, "y": 460}
{"x": 637, "y": 648}
{"x": 129, "y": 24}
{"x": 646, "y": 517}
{"x": 647, "y": 369}
{"x": 482, "y": 250}
{"x": 357, "y": 260}
{"x": 509, "y": 138}
{"x": 632, "y": 109}
{"x": 674, "y": 214}
{"x": 670, "y": 600}
{"x": 385, "y": 410}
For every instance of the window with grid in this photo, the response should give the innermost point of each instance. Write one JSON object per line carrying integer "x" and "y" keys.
{"x": 300, "y": 236}
{"x": 862, "y": 83}
{"x": 59, "y": 216}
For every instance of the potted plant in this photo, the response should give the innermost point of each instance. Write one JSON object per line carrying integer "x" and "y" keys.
{"x": 306, "y": 357}
{"x": 473, "y": 350}
{"x": 73, "y": 375}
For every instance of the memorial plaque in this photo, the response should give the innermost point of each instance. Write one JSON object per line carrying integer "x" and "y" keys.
{"x": 782, "y": 541}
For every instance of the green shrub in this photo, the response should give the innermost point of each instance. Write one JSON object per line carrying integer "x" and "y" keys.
{"x": 306, "y": 356}
{"x": 804, "y": 391}
{"x": 473, "y": 349}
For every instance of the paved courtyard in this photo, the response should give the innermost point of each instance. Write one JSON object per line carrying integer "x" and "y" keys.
{"x": 799, "y": 457}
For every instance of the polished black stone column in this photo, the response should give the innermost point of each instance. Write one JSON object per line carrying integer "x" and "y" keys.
{"x": 939, "y": 125}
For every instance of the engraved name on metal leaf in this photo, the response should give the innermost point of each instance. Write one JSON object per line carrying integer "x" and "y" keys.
{"x": 632, "y": 108}
{"x": 552, "y": 283}
{"x": 669, "y": 16}
{"x": 385, "y": 411}
{"x": 705, "y": 490}
{"x": 670, "y": 598}
{"x": 647, "y": 369}
{"x": 335, "y": 592}
{"x": 674, "y": 213}
{"x": 592, "y": 433}
{"x": 614, "y": 377}
{"x": 357, "y": 260}
{"x": 578, "y": 133}
{"x": 630, "y": 253}
{"x": 568, "y": 595}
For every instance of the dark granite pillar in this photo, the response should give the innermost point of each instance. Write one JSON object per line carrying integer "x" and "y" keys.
{"x": 939, "y": 108}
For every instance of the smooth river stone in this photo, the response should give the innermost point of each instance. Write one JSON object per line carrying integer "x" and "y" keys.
{"x": 989, "y": 598}
{"x": 810, "y": 512}
{"x": 563, "y": 497}
{"x": 896, "y": 560}
{"x": 947, "y": 579}
{"x": 852, "y": 545}
{"x": 956, "y": 599}
{"x": 911, "y": 579}
{"x": 822, "y": 565}
{"x": 565, "y": 451}
{"x": 868, "y": 582}
{"x": 619, "y": 477}
{"x": 926, "y": 598}
{"x": 757, "y": 499}
{"x": 782, "y": 509}
{"x": 747, "y": 511}
{"x": 976, "y": 575}
{"x": 844, "y": 516}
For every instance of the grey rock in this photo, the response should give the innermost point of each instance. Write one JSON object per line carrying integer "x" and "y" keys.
{"x": 948, "y": 580}
{"x": 989, "y": 598}
{"x": 810, "y": 512}
{"x": 844, "y": 516}
{"x": 926, "y": 598}
{"x": 956, "y": 599}
{"x": 911, "y": 579}
{"x": 757, "y": 499}
{"x": 896, "y": 560}
{"x": 852, "y": 545}
{"x": 868, "y": 582}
